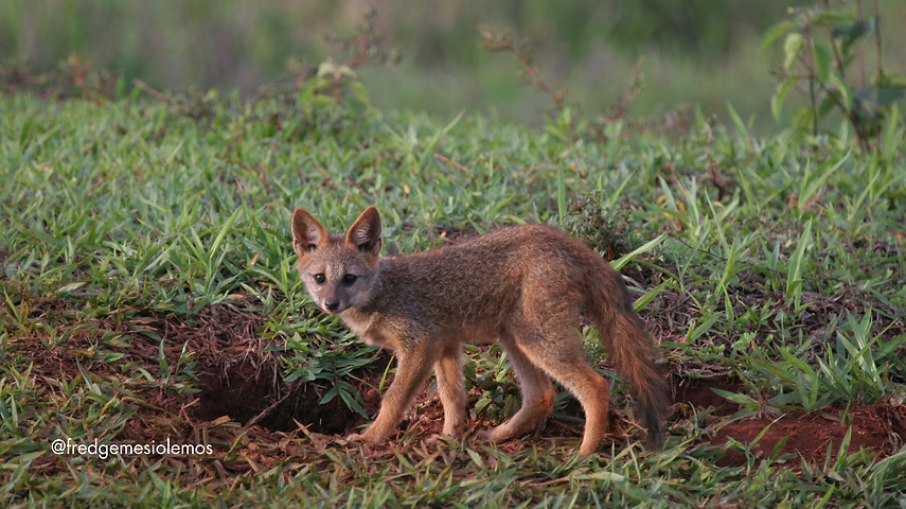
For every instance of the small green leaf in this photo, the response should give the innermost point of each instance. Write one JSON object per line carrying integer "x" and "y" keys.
{"x": 352, "y": 403}
{"x": 71, "y": 287}
{"x": 776, "y": 31}
{"x": 826, "y": 106}
{"x": 794, "y": 269}
{"x": 798, "y": 363}
{"x": 644, "y": 248}
{"x": 823, "y": 58}
{"x": 162, "y": 361}
{"x": 476, "y": 458}
{"x": 829, "y": 18}
{"x": 791, "y": 47}
{"x": 735, "y": 397}
{"x": 840, "y": 86}
{"x": 223, "y": 232}
{"x": 741, "y": 127}
{"x": 119, "y": 88}
{"x": 329, "y": 395}
{"x": 777, "y": 100}
{"x": 601, "y": 475}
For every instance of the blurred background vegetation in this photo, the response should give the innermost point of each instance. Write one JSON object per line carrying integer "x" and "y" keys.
{"x": 694, "y": 52}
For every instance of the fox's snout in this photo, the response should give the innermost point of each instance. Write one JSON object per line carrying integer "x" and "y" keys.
{"x": 331, "y": 299}
{"x": 333, "y": 306}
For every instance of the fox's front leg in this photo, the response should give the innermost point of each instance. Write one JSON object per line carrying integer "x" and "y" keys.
{"x": 414, "y": 362}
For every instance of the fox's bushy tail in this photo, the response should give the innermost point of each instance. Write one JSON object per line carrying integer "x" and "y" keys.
{"x": 630, "y": 349}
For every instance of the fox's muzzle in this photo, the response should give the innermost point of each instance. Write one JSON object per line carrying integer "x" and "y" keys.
{"x": 334, "y": 306}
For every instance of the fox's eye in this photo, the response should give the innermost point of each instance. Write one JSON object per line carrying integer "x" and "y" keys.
{"x": 349, "y": 279}
{"x": 319, "y": 278}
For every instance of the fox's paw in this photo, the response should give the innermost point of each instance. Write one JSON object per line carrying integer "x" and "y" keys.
{"x": 439, "y": 439}
{"x": 367, "y": 438}
{"x": 359, "y": 437}
{"x": 494, "y": 435}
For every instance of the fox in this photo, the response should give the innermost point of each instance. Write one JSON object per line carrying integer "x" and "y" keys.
{"x": 528, "y": 287}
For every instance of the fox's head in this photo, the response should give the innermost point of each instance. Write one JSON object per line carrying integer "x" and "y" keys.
{"x": 338, "y": 270}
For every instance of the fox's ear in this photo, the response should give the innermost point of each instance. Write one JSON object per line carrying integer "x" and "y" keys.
{"x": 308, "y": 233}
{"x": 365, "y": 232}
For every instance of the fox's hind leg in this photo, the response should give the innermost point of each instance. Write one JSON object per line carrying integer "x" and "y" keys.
{"x": 557, "y": 349}
{"x": 537, "y": 396}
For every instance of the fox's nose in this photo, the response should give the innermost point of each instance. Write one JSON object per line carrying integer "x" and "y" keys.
{"x": 332, "y": 305}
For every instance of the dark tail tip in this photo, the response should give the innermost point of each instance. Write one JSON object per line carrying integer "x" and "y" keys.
{"x": 654, "y": 425}
{"x": 653, "y": 401}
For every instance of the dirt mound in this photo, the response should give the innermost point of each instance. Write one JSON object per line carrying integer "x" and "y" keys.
{"x": 879, "y": 427}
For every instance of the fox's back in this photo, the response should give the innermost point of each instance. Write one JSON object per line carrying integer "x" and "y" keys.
{"x": 486, "y": 277}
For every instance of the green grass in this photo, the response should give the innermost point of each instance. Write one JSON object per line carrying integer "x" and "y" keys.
{"x": 143, "y": 241}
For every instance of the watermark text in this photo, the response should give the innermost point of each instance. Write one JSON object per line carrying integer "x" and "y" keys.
{"x": 69, "y": 447}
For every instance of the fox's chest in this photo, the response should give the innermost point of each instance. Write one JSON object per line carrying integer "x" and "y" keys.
{"x": 371, "y": 329}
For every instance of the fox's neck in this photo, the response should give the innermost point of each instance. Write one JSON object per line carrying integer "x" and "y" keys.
{"x": 363, "y": 319}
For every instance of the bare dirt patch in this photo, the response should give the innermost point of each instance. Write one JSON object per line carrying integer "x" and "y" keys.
{"x": 697, "y": 395}
{"x": 879, "y": 427}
